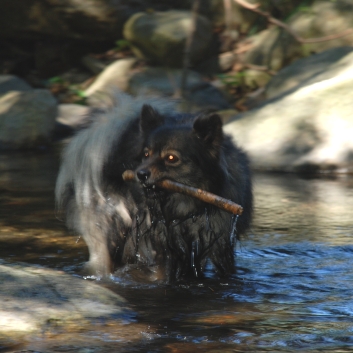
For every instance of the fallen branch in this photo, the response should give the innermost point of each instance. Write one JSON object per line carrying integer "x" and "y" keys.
{"x": 254, "y": 8}
{"x": 199, "y": 194}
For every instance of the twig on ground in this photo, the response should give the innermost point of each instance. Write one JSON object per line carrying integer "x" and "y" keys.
{"x": 199, "y": 194}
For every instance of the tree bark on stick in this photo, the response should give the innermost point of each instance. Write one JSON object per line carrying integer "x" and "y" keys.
{"x": 202, "y": 195}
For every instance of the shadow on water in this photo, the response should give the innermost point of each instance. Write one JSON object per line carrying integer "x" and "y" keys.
{"x": 292, "y": 290}
{"x": 30, "y": 229}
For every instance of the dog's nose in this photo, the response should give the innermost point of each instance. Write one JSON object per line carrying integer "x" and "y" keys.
{"x": 143, "y": 174}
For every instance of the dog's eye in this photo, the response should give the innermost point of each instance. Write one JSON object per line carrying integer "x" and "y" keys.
{"x": 171, "y": 158}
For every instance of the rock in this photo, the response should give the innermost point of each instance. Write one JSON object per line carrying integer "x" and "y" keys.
{"x": 12, "y": 83}
{"x": 272, "y": 48}
{"x": 226, "y": 61}
{"x": 115, "y": 75}
{"x": 256, "y": 78}
{"x": 308, "y": 70}
{"x": 92, "y": 64}
{"x": 227, "y": 114}
{"x": 26, "y": 119}
{"x": 36, "y": 300}
{"x": 276, "y": 48}
{"x": 159, "y": 81}
{"x": 159, "y": 37}
{"x": 308, "y": 129}
{"x": 155, "y": 81}
{"x": 239, "y": 18}
{"x": 324, "y": 18}
{"x": 70, "y": 118}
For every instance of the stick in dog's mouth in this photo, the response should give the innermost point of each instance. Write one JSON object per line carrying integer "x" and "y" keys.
{"x": 205, "y": 196}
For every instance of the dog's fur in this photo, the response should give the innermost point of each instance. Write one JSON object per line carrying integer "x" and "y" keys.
{"x": 137, "y": 223}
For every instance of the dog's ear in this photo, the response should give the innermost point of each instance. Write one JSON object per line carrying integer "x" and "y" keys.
{"x": 150, "y": 118}
{"x": 208, "y": 128}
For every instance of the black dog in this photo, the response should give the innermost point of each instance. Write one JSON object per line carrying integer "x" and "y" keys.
{"x": 137, "y": 223}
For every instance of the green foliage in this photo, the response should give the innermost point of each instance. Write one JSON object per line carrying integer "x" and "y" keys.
{"x": 232, "y": 80}
{"x": 304, "y": 6}
{"x": 80, "y": 94}
{"x": 66, "y": 91}
{"x": 56, "y": 80}
{"x": 122, "y": 44}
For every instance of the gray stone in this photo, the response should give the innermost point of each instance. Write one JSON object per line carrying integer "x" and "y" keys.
{"x": 33, "y": 299}
{"x": 72, "y": 115}
{"x": 27, "y": 119}
{"x": 12, "y": 83}
{"x": 309, "y": 129}
{"x": 160, "y": 37}
{"x": 156, "y": 81}
{"x": 272, "y": 48}
{"x": 315, "y": 68}
{"x": 116, "y": 75}
{"x": 226, "y": 61}
{"x": 256, "y": 78}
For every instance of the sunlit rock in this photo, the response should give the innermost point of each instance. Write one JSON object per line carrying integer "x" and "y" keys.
{"x": 26, "y": 119}
{"x": 308, "y": 128}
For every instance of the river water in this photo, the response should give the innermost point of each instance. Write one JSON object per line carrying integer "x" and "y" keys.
{"x": 293, "y": 289}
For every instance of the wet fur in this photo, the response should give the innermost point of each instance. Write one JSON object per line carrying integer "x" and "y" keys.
{"x": 135, "y": 223}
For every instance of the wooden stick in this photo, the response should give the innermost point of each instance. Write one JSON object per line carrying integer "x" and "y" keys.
{"x": 199, "y": 194}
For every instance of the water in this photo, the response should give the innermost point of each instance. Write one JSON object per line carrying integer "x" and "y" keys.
{"x": 293, "y": 289}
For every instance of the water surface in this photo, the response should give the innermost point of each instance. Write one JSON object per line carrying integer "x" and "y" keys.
{"x": 292, "y": 290}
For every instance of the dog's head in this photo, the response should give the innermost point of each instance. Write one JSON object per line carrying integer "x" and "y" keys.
{"x": 183, "y": 150}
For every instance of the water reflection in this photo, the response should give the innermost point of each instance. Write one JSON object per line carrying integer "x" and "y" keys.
{"x": 30, "y": 229}
{"x": 306, "y": 210}
{"x": 292, "y": 289}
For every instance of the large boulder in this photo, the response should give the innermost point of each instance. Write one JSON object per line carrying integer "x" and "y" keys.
{"x": 27, "y": 119}
{"x": 12, "y": 83}
{"x": 35, "y": 300}
{"x": 306, "y": 129}
{"x": 315, "y": 68}
{"x": 160, "y": 37}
